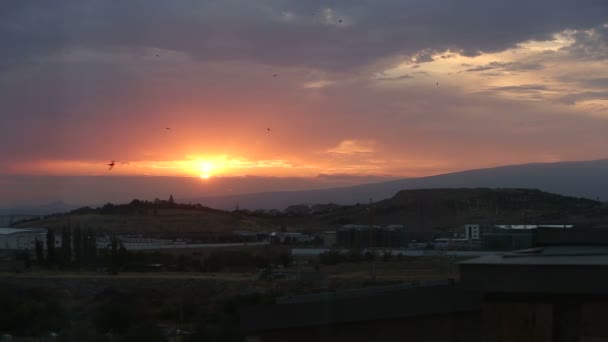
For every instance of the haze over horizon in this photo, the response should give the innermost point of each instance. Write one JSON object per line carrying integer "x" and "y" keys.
{"x": 318, "y": 93}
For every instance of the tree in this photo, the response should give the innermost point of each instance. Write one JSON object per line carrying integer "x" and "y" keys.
{"x": 77, "y": 242}
{"x": 50, "y": 245}
{"x": 39, "y": 251}
{"x": 114, "y": 255}
{"x": 66, "y": 245}
{"x": 171, "y": 201}
{"x": 92, "y": 247}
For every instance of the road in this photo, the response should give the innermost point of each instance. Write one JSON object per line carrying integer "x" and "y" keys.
{"x": 404, "y": 252}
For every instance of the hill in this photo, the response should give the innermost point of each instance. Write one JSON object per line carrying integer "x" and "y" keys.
{"x": 424, "y": 209}
{"x": 580, "y": 179}
{"x": 445, "y": 208}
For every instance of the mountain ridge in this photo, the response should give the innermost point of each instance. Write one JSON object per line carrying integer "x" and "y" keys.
{"x": 573, "y": 178}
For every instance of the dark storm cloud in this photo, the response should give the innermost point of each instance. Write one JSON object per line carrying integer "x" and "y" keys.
{"x": 590, "y": 44}
{"x": 281, "y": 32}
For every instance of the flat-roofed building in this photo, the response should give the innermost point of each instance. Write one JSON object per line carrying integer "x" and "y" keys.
{"x": 19, "y": 239}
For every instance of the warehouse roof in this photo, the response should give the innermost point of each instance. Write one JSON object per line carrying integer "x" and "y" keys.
{"x": 553, "y": 255}
{"x": 9, "y": 231}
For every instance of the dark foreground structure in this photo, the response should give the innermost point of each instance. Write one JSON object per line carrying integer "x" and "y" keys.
{"x": 426, "y": 313}
{"x": 557, "y": 291}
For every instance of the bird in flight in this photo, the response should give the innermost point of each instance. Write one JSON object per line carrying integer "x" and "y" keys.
{"x": 437, "y": 83}
{"x": 340, "y": 21}
{"x": 168, "y": 128}
{"x": 268, "y": 129}
{"x": 111, "y": 165}
{"x": 275, "y": 75}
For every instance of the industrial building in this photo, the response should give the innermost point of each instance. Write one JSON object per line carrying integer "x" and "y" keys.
{"x": 20, "y": 239}
{"x": 437, "y": 311}
{"x": 364, "y": 236}
{"x": 555, "y": 291}
{"x": 499, "y": 237}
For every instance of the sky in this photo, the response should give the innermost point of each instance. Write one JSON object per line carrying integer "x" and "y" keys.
{"x": 363, "y": 88}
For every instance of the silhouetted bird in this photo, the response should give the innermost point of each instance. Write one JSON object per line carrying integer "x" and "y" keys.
{"x": 111, "y": 165}
{"x": 268, "y": 129}
{"x": 168, "y": 129}
{"x": 275, "y": 75}
{"x": 437, "y": 83}
{"x": 157, "y": 56}
{"x": 340, "y": 21}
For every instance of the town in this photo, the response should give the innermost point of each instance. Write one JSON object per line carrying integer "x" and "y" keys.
{"x": 353, "y": 264}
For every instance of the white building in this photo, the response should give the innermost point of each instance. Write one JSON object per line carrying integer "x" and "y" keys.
{"x": 532, "y": 226}
{"x": 472, "y": 232}
{"x": 16, "y": 238}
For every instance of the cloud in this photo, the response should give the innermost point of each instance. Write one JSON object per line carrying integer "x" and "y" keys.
{"x": 584, "y": 96}
{"x": 350, "y": 147}
{"x": 281, "y": 32}
{"x": 508, "y": 66}
{"x": 396, "y": 78}
{"x": 591, "y": 44}
{"x": 524, "y": 88}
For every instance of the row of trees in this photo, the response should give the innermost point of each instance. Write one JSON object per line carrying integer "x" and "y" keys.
{"x": 78, "y": 249}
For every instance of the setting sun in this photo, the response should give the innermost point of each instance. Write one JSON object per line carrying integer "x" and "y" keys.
{"x": 206, "y": 168}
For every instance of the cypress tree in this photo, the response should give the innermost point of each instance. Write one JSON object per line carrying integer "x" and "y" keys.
{"x": 77, "y": 242}
{"x": 39, "y": 251}
{"x": 50, "y": 245}
{"x": 66, "y": 245}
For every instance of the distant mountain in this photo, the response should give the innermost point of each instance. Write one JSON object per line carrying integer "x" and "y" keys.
{"x": 45, "y": 209}
{"x": 587, "y": 179}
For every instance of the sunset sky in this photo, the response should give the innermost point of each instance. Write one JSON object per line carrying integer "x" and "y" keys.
{"x": 364, "y": 87}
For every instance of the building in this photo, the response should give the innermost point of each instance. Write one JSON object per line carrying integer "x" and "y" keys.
{"x": 329, "y": 238}
{"x": 472, "y": 231}
{"x": 19, "y": 239}
{"x": 555, "y": 291}
{"x": 290, "y": 238}
{"x": 364, "y": 236}
{"x": 437, "y": 311}
{"x": 507, "y": 237}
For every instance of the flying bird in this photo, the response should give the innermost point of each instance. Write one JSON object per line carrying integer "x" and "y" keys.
{"x": 111, "y": 165}
{"x": 437, "y": 83}
{"x": 268, "y": 129}
{"x": 167, "y": 128}
{"x": 275, "y": 75}
{"x": 340, "y": 21}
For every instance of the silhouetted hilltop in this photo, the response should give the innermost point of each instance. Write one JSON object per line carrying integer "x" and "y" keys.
{"x": 426, "y": 209}
{"x": 580, "y": 179}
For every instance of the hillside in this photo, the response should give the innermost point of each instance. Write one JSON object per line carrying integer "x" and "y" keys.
{"x": 425, "y": 209}
{"x": 580, "y": 179}
{"x": 158, "y": 218}
{"x": 444, "y": 208}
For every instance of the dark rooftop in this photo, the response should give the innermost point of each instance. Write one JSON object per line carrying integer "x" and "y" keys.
{"x": 390, "y": 304}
